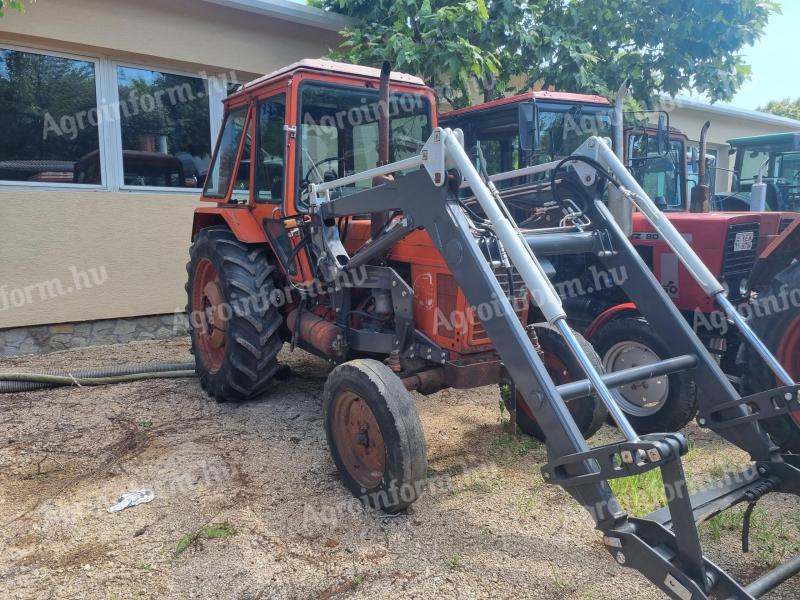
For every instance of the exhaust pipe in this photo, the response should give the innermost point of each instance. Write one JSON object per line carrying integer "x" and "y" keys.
{"x": 701, "y": 193}
{"x": 379, "y": 218}
{"x": 620, "y": 207}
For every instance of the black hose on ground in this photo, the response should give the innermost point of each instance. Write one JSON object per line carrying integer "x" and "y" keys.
{"x": 25, "y": 382}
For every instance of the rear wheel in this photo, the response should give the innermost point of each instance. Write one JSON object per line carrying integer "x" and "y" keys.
{"x": 660, "y": 404}
{"x": 233, "y": 323}
{"x": 777, "y": 323}
{"x": 589, "y": 413}
{"x": 375, "y": 434}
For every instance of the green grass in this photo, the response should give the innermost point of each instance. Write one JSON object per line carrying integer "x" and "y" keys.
{"x": 454, "y": 562}
{"x": 357, "y": 581}
{"x": 641, "y": 494}
{"x": 517, "y": 445}
{"x": 209, "y": 532}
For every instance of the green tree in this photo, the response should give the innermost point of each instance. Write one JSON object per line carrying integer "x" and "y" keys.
{"x": 784, "y": 108}
{"x": 14, "y": 4}
{"x": 574, "y": 45}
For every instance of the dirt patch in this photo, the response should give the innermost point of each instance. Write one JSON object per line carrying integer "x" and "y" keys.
{"x": 253, "y": 489}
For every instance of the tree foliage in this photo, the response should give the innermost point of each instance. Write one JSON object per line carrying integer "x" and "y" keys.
{"x": 572, "y": 45}
{"x": 784, "y": 108}
{"x": 13, "y": 4}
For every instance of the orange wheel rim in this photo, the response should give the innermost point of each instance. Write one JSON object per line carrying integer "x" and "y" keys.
{"x": 208, "y": 315}
{"x": 359, "y": 440}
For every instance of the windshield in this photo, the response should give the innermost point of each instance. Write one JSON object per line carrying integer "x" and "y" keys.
{"x": 338, "y": 133}
{"x": 562, "y": 129}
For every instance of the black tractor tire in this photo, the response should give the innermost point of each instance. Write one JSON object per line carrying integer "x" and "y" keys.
{"x": 233, "y": 323}
{"x": 777, "y": 323}
{"x": 589, "y": 413}
{"x": 631, "y": 340}
{"x": 375, "y": 434}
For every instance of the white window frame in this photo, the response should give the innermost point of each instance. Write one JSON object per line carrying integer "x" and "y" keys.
{"x": 110, "y": 132}
{"x": 214, "y": 97}
{"x": 101, "y": 126}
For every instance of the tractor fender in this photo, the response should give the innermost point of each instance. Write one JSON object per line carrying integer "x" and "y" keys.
{"x": 777, "y": 256}
{"x": 240, "y": 221}
{"x": 615, "y": 312}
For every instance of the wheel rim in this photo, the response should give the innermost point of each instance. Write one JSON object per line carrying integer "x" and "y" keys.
{"x": 789, "y": 356}
{"x": 558, "y": 372}
{"x": 359, "y": 440}
{"x": 208, "y": 304}
{"x": 641, "y": 398}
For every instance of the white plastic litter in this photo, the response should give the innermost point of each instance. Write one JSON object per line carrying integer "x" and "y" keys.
{"x": 133, "y": 498}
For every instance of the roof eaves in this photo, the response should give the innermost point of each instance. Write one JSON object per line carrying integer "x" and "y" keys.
{"x": 290, "y": 11}
{"x": 731, "y": 111}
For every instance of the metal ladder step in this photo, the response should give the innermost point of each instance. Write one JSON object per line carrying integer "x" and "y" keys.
{"x": 583, "y": 387}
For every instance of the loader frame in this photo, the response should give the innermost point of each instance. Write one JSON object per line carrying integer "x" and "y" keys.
{"x": 665, "y": 546}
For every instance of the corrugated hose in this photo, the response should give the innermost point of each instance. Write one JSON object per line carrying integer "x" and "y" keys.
{"x": 25, "y": 382}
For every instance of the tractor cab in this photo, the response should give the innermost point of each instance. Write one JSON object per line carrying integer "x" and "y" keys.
{"x": 772, "y": 160}
{"x": 659, "y": 165}
{"x": 308, "y": 123}
{"x": 531, "y": 128}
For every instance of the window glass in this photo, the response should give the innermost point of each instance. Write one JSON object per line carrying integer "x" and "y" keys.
{"x": 338, "y": 133}
{"x": 221, "y": 172}
{"x": 271, "y": 149}
{"x": 48, "y": 119}
{"x": 166, "y": 138}
{"x": 751, "y": 163}
{"x": 660, "y": 176}
{"x": 561, "y": 131}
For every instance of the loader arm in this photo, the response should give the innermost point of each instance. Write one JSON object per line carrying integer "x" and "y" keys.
{"x": 666, "y": 549}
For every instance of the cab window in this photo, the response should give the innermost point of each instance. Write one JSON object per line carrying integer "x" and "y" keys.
{"x": 222, "y": 170}
{"x": 271, "y": 151}
{"x": 338, "y": 133}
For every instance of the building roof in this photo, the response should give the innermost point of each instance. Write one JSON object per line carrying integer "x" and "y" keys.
{"x": 529, "y": 95}
{"x": 320, "y": 64}
{"x": 732, "y": 111}
{"x": 293, "y": 12}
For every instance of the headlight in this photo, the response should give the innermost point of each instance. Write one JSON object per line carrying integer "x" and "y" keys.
{"x": 744, "y": 287}
{"x": 726, "y": 288}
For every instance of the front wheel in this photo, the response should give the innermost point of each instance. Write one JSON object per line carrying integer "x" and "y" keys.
{"x": 776, "y": 320}
{"x": 589, "y": 413}
{"x": 375, "y": 434}
{"x": 659, "y": 404}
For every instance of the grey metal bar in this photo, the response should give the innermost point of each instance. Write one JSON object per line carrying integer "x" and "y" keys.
{"x": 774, "y": 578}
{"x": 400, "y": 165}
{"x": 582, "y": 388}
{"x": 597, "y": 382}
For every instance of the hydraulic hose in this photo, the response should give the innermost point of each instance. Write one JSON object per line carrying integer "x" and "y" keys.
{"x": 26, "y": 382}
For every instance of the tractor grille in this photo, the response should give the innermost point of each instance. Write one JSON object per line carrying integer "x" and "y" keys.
{"x": 785, "y": 222}
{"x": 479, "y": 335}
{"x": 741, "y": 248}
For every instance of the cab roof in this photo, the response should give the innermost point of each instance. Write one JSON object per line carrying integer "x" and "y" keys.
{"x": 532, "y": 95}
{"x": 329, "y": 66}
{"x": 774, "y": 141}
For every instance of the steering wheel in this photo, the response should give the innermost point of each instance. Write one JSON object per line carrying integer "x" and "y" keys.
{"x": 314, "y": 166}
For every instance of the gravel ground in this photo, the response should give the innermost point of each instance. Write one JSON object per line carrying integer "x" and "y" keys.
{"x": 284, "y": 527}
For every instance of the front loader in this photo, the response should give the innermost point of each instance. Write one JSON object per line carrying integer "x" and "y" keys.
{"x": 366, "y": 254}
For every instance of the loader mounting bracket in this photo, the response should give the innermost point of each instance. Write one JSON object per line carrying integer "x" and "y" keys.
{"x": 763, "y": 405}
{"x": 613, "y": 461}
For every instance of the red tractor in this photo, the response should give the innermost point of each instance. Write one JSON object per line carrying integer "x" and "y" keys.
{"x": 744, "y": 251}
{"x": 386, "y": 272}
